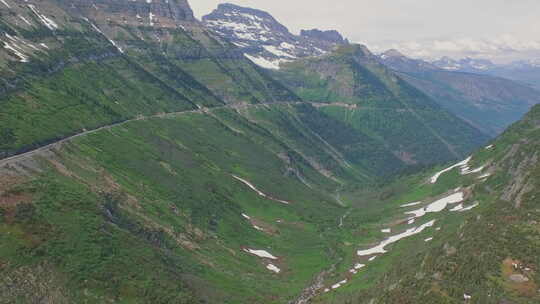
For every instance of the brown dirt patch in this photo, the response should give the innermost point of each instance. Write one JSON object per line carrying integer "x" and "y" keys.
{"x": 510, "y": 268}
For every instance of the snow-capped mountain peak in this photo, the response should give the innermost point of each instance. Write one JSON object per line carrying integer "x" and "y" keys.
{"x": 264, "y": 40}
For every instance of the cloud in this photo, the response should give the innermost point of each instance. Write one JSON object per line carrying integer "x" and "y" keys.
{"x": 503, "y": 47}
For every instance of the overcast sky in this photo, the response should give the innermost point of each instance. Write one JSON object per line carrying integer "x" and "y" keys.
{"x": 499, "y": 29}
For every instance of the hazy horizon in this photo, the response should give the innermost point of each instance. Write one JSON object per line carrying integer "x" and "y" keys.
{"x": 499, "y": 30}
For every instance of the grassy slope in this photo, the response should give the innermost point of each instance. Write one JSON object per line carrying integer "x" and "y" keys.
{"x": 99, "y": 209}
{"x": 474, "y": 251}
{"x": 384, "y": 107}
{"x": 81, "y": 81}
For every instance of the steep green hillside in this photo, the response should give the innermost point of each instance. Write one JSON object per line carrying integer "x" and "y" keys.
{"x": 145, "y": 160}
{"x": 69, "y": 69}
{"x": 489, "y": 103}
{"x": 151, "y": 211}
{"x": 494, "y": 256}
{"x": 481, "y": 248}
{"x": 376, "y": 102}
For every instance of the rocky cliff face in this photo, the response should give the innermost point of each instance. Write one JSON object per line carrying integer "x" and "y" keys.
{"x": 136, "y": 12}
{"x": 331, "y": 36}
{"x": 266, "y": 41}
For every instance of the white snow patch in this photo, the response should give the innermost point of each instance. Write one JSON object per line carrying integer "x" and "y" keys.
{"x": 457, "y": 208}
{"x": 16, "y": 49}
{"x": 371, "y": 259}
{"x": 258, "y": 228}
{"x": 339, "y": 284}
{"x": 151, "y": 17}
{"x": 469, "y": 207}
{"x": 387, "y": 230}
{"x": 359, "y": 266}
{"x": 5, "y": 3}
{"x": 467, "y": 170}
{"x": 257, "y": 190}
{"x": 110, "y": 40}
{"x": 274, "y": 50}
{"x": 411, "y": 204}
{"x": 409, "y": 232}
{"x": 484, "y": 176}
{"x": 25, "y": 20}
{"x": 438, "y": 205}
{"x": 489, "y": 147}
{"x": 46, "y": 21}
{"x": 246, "y": 216}
{"x": 286, "y": 45}
{"x": 435, "y": 177}
{"x": 261, "y": 253}
{"x": 411, "y": 221}
{"x": 429, "y": 239}
{"x": 466, "y": 296}
{"x": 262, "y": 62}
{"x": 273, "y": 268}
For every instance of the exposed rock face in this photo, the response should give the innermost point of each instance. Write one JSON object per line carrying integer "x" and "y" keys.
{"x": 266, "y": 41}
{"x": 331, "y": 36}
{"x": 159, "y": 13}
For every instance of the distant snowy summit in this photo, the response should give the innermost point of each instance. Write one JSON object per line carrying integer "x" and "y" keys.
{"x": 264, "y": 40}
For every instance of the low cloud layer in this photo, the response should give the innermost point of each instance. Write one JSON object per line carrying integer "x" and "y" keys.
{"x": 504, "y": 48}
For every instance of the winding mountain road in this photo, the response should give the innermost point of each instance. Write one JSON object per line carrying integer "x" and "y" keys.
{"x": 31, "y": 153}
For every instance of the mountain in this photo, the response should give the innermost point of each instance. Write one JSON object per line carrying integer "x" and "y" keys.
{"x": 489, "y": 103}
{"x": 377, "y": 102}
{"x": 264, "y": 40}
{"x": 525, "y": 71}
{"x": 464, "y": 65}
{"x": 144, "y": 159}
{"x": 465, "y": 262}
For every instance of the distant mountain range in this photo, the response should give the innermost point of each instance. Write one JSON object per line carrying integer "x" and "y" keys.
{"x": 465, "y": 87}
{"x": 524, "y": 71}
{"x": 489, "y": 102}
{"x": 264, "y": 40}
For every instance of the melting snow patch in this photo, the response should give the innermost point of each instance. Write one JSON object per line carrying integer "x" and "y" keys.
{"x": 466, "y": 296}
{"x": 457, "y": 208}
{"x": 409, "y": 232}
{"x": 388, "y": 230}
{"x": 257, "y": 190}
{"x": 411, "y": 221}
{"x": 5, "y": 3}
{"x": 484, "y": 175}
{"x": 467, "y": 170}
{"x": 262, "y": 62}
{"x": 435, "y": 177}
{"x": 258, "y": 228}
{"x": 261, "y": 253}
{"x": 411, "y": 204}
{"x": 429, "y": 239}
{"x": 273, "y": 268}
{"x": 469, "y": 207}
{"x": 438, "y": 205}
{"x": 359, "y": 266}
{"x": 46, "y": 21}
{"x": 25, "y": 20}
{"x": 246, "y": 216}
{"x": 371, "y": 259}
{"x": 489, "y": 147}
{"x": 17, "y": 50}
{"x": 274, "y": 50}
